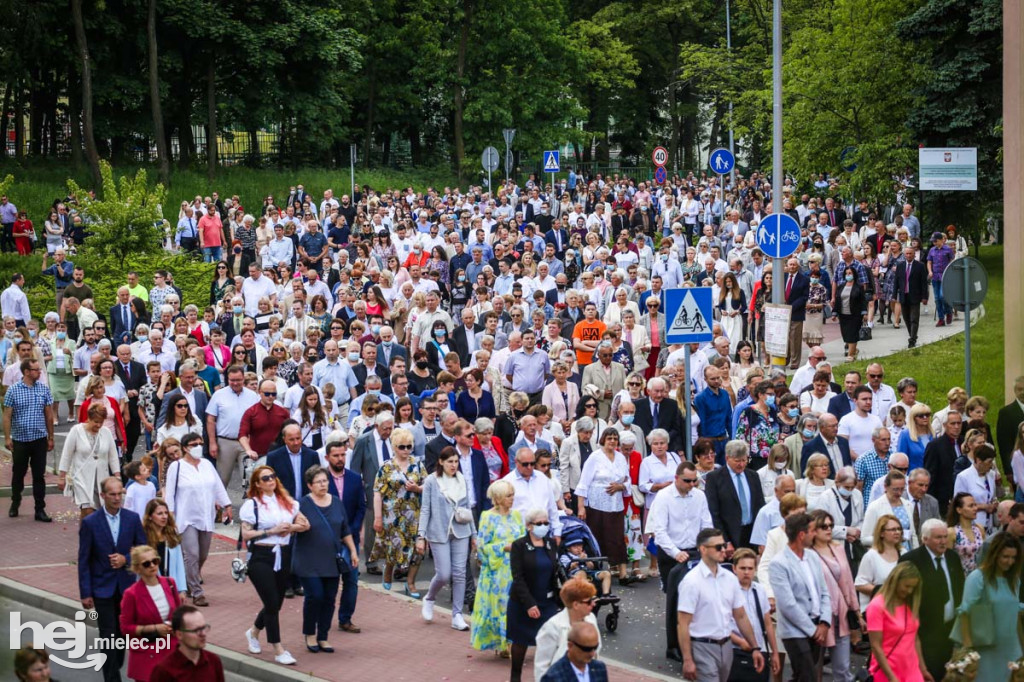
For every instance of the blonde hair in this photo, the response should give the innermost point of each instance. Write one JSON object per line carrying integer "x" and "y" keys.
{"x": 917, "y": 409}
{"x": 138, "y": 552}
{"x": 876, "y": 542}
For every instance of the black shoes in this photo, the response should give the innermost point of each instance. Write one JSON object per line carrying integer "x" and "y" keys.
{"x": 674, "y": 655}
{"x": 43, "y": 517}
{"x": 13, "y": 513}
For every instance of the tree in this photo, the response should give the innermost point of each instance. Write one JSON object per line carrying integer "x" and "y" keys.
{"x": 124, "y": 222}
{"x": 163, "y": 159}
{"x": 91, "y": 153}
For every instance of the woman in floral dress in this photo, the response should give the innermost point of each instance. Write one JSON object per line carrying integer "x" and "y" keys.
{"x": 498, "y": 528}
{"x": 965, "y": 535}
{"x": 890, "y": 259}
{"x": 758, "y": 425}
{"x": 396, "y": 507}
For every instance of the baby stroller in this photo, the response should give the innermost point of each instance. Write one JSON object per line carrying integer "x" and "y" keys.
{"x": 574, "y": 530}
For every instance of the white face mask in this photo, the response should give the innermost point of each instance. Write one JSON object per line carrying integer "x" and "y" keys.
{"x": 196, "y": 451}
{"x": 779, "y": 466}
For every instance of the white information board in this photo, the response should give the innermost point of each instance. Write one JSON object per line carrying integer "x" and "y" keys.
{"x": 948, "y": 168}
{"x": 776, "y": 328}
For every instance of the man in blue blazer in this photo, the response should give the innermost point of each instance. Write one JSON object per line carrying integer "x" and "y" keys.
{"x": 828, "y": 443}
{"x": 796, "y": 289}
{"x": 478, "y": 467}
{"x": 105, "y": 541}
{"x": 579, "y": 662}
{"x": 291, "y": 460}
{"x": 122, "y": 319}
{"x": 352, "y": 498}
{"x": 842, "y": 404}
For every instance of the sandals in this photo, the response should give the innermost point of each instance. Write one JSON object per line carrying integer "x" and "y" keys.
{"x": 638, "y": 575}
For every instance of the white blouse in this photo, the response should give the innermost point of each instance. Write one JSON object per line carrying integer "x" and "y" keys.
{"x": 873, "y": 571}
{"x": 653, "y": 472}
{"x": 194, "y": 493}
{"x": 597, "y": 474}
{"x": 272, "y": 512}
{"x": 156, "y": 592}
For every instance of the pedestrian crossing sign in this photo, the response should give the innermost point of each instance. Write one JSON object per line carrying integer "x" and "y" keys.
{"x": 551, "y": 161}
{"x": 690, "y": 314}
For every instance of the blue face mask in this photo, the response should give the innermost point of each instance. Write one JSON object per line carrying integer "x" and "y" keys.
{"x": 793, "y": 412}
{"x": 540, "y": 530}
{"x": 439, "y": 333}
{"x": 141, "y": 337}
{"x": 627, "y": 419}
{"x": 237, "y": 309}
{"x": 61, "y": 336}
{"x": 769, "y": 400}
{"x": 849, "y": 278}
{"x": 807, "y": 433}
{"x": 375, "y": 329}
{"x": 373, "y": 391}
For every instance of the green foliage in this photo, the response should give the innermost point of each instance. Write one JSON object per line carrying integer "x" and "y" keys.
{"x": 105, "y": 277}
{"x": 124, "y": 221}
{"x": 6, "y": 184}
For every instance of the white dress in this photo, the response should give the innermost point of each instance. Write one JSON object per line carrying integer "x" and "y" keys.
{"x": 732, "y": 326}
{"x": 88, "y": 459}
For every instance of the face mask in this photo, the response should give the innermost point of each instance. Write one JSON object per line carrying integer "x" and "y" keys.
{"x": 807, "y": 433}
{"x": 779, "y": 466}
{"x": 61, "y": 336}
{"x": 545, "y": 211}
{"x": 664, "y": 258}
{"x": 644, "y": 209}
{"x": 353, "y": 357}
{"x": 237, "y": 309}
{"x": 540, "y": 530}
{"x": 769, "y": 401}
{"x": 140, "y": 337}
{"x": 843, "y": 492}
{"x": 439, "y": 333}
{"x": 386, "y": 344}
{"x": 417, "y": 249}
{"x": 793, "y": 412}
{"x": 31, "y": 333}
{"x": 373, "y": 391}
{"x": 197, "y": 451}
{"x": 627, "y": 419}
{"x": 815, "y": 280}
{"x": 849, "y": 278}
{"x": 10, "y": 334}
{"x": 462, "y": 278}
{"x": 375, "y": 329}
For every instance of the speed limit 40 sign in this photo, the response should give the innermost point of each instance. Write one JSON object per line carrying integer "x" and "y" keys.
{"x": 659, "y": 156}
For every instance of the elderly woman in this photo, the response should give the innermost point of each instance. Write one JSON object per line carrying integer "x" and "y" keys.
{"x": 574, "y": 451}
{"x": 89, "y": 456}
{"x": 59, "y": 369}
{"x": 96, "y": 394}
{"x": 603, "y": 482}
{"x": 816, "y": 481}
{"x": 534, "y": 583}
{"x": 146, "y": 609}
{"x": 494, "y": 453}
{"x": 194, "y": 494}
{"x": 446, "y": 522}
{"x": 397, "y": 494}
{"x": 561, "y": 396}
{"x": 499, "y": 527}
{"x": 845, "y": 504}
{"x": 619, "y": 305}
{"x": 578, "y": 596}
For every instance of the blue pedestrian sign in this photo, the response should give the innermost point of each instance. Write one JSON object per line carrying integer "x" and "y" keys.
{"x": 660, "y": 175}
{"x": 551, "y": 161}
{"x": 778, "y": 235}
{"x": 722, "y": 161}
{"x": 691, "y": 313}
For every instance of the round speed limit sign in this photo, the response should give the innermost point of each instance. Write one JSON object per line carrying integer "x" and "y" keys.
{"x": 659, "y": 156}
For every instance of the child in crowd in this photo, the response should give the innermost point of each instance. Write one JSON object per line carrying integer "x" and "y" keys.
{"x": 141, "y": 488}
{"x": 898, "y": 419}
{"x": 574, "y": 560}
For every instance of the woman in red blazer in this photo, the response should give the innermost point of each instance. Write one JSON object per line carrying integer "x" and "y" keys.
{"x": 146, "y": 610}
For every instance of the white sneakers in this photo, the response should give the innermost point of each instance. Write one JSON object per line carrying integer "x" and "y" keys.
{"x": 428, "y": 610}
{"x": 254, "y": 643}
{"x": 459, "y": 623}
{"x": 285, "y": 658}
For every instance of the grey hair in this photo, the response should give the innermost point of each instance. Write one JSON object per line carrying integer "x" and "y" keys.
{"x": 656, "y": 434}
{"x": 930, "y": 525}
{"x": 533, "y": 515}
{"x": 919, "y": 471}
{"x": 737, "y": 449}
{"x": 384, "y": 418}
{"x": 584, "y": 424}
{"x": 878, "y": 431}
{"x": 483, "y": 424}
{"x": 845, "y": 474}
{"x": 627, "y": 437}
{"x": 807, "y": 417}
{"x": 191, "y": 308}
{"x": 51, "y": 316}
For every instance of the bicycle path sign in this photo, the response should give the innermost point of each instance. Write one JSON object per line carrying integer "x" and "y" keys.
{"x": 778, "y": 235}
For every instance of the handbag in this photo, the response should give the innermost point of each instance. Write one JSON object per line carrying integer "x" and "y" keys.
{"x": 463, "y": 515}
{"x": 639, "y": 499}
{"x": 342, "y": 556}
{"x": 865, "y": 333}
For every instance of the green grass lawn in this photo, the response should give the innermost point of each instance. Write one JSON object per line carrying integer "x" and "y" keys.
{"x": 940, "y": 366}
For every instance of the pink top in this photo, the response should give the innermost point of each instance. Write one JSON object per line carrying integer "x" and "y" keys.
{"x": 901, "y": 653}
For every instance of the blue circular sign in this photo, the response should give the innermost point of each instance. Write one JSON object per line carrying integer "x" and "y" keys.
{"x": 722, "y": 161}
{"x": 660, "y": 175}
{"x": 778, "y": 235}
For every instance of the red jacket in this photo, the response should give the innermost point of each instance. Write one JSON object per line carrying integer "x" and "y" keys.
{"x": 119, "y": 435}
{"x": 496, "y": 443}
{"x": 138, "y": 608}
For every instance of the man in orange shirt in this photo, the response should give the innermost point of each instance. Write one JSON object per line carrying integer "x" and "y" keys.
{"x": 586, "y": 335}
{"x": 211, "y": 239}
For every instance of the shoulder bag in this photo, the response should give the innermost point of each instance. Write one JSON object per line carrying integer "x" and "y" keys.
{"x": 743, "y": 661}
{"x": 983, "y": 622}
{"x": 342, "y": 556}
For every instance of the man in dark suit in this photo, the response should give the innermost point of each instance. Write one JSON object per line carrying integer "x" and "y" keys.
{"x": 559, "y": 238}
{"x": 579, "y": 662}
{"x": 477, "y": 464}
{"x": 352, "y": 498}
{"x": 1008, "y": 424}
{"x": 836, "y": 215}
{"x": 911, "y": 291}
{"x": 388, "y": 348}
{"x": 942, "y": 590}
{"x": 291, "y": 460}
{"x": 447, "y": 437}
{"x": 464, "y": 338}
{"x": 842, "y": 404}
{"x": 105, "y": 541}
{"x": 371, "y": 450}
{"x": 122, "y": 318}
{"x": 133, "y": 376}
{"x": 797, "y": 287}
{"x": 734, "y": 496}
{"x": 655, "y": 412}
{"x": 828, "y": 443}
{"x": 362, "y": 369}
{"x": 559, "y": 294}
{"x": 939, "y": 456}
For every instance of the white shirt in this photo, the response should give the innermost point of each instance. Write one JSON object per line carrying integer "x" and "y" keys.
{"x": 379, "y": 449}
{"x": 710, "y": 599}
{"x": 193, "y": 494}
{"x": 653, "y": 472}
{"x": 535, "y": 493}
{"x": 982, "y": 488}
{"x": 598, "y": 473}
{"x": 810, "y": 581}
{"x": 159, "y": 597}
{"x": 757, "y": 592}
{"x": 676, "y": 519}
{"x": 816, "y": 404}
{"x": 255, "y": 289}
{"x": 14, "y": 303}
{"x": 857, "y": 430}
{"x": 271, "y": 514}
{"x": 882, "y": 401}
{"x": 466, "y": 467}
{"x": 227, "y": 408}
{"x": 947, "y": 611}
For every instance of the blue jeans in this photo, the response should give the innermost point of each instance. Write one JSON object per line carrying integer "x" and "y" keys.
{"x": 941, "y": 308}
{"x": 318, "y": 606}
{"x": 349, "y": 592}
{"x": 212, "y": 254}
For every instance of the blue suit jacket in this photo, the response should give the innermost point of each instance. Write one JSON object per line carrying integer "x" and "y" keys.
{"x": 481, "y": 481}
{"x": 281, "y": 463}
{"x": 353, "y": 500}
{"x": 816, "y": 445}
{"x": 95, "y": 545}
{"x": 839, "y": 405}
{"x": 562, "y": 671}
{"x": 798, "y": 296}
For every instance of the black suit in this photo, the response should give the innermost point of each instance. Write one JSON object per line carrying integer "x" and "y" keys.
{"x": 280, "y": 461}
{"x": 817, "y": 445}
{"x": 1010, "y": 418}
{"x": 796, "y": 297}
{"x": 568, "y": 323}
{"x": 433, "y": 451}
{"x": 934, "y": 628}
{"x": 939, "y": 456}
{"x": 133, "y": 380}
{"x": 361, "y": 374}
{"x": 397, "y": 350}
{"x": 460, "y": 342}
{"x": 911, "y": 294}
{"x": 724, "y": 503}
{"x": 550, "y": 238}
{"x": 551, "y": 297}
{"x": 119, "y": 332}
{"x": 669, "y": 418}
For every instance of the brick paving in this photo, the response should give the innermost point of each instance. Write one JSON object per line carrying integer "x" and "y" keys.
{"x": 394, "y": 642}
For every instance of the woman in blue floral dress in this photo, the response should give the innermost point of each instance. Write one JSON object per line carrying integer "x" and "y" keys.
{"x": 396, "y": 500}
{"x": 498, "y": 528}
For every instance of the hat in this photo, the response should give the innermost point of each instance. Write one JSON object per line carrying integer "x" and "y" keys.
{"x": 937, "y": 235}
{"x": 593, "y": 391}
{"x": 574, "y": 541}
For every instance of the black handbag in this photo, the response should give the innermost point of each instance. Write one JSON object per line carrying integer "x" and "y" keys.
{"x": 342, "y": 556}
{"x": 865, "y": 333}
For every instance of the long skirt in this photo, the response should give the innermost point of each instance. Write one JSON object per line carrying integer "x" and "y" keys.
{"x": 610, "y": 531}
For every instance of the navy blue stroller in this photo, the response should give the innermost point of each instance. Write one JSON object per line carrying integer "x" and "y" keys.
{"x": 575, "y": 530}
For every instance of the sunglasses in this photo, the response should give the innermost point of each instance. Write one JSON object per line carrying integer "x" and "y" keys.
{"x": 407, "y": 446}
{"x": 268, "y": 477}
{"x": 182, "y": 405}
{"x": 718, "y": 548}
{"x": 155, "y": 561}
{"x": 579, "y": 646}
{"x": 691, "y": 481}
{"x": 529, "y": 465}
{"x": 826, "y": 526}
{"x": 634, "y": 384}
{"x": 269, "y": 394}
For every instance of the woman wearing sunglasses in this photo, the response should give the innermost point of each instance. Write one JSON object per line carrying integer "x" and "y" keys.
{"x": 578, "y": 595}
{"x": 146, "y": 609}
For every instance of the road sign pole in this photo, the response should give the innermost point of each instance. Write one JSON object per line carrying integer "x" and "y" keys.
{"x": 686, "y": 399}
{"x": 352, "y": 165}
{"x": 490, "y": 188}
{"x": 777, "y": 263}
{"x": 967, "y": 323}
{"x": 721, "y": 188}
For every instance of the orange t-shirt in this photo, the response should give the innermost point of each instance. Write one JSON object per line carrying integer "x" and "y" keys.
{"x": 587, "y": 331}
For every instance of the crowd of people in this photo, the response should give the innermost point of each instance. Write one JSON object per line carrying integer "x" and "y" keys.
{"x": 486, "y": 379}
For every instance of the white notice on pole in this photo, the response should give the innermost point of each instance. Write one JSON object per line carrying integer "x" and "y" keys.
{"x": 776, "y": 318}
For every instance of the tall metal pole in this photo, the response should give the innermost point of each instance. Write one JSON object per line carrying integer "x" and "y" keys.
{"x": 732, "y": 148}
{"x": 778, "y": 281}
{"x": 687, "y": 437}
{"x": 352, "y": 166}
{"x": 967, "y": 322}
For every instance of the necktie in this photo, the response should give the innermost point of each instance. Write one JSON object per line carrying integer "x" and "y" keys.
{"x": 832, "y": 218}
{"x": 848, "y": 513}
{"x": 917, "y": 517}
{"x": 656, "y": 415}
{"x": 907, "y": 289}
{"x": 124, "y": 315}
{"x": 191, "y": 229}
{"x": 944, "y": 592}
{"x": 744, "y": 502}
{"x": 789, "y": 286}
{"x": 127, "y": 372}
{"x": 384, "y": 450}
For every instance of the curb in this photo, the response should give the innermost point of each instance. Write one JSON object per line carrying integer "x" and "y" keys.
{"x": 233, "y": 661}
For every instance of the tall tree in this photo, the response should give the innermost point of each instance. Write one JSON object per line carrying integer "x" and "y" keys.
{"x": 91, "y": 153}
{"x": 163, "y": 160}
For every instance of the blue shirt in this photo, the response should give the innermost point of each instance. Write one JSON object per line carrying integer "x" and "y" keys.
{"x": 739, "y": 481}
{"x": 62, "y": 273}
{"x": 714, "y": 411}
{"x": 529, "y": 371}
{"x": 28, "y": 419}
{"x": 313, "y": 243}
{"x": 740, "y": 406}
{"x": 114, "y": 521}
{"x": 339, "y": 373}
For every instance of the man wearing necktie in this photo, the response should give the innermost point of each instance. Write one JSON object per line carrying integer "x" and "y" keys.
{"x": 797, "y": 289}
{"x": 122, "y": 318}
{"x": 911, "y": 291}
{"x": 186, "y": 236}
{"x": 939, "y": 457}
{"x": 734, "y": 496}
{"x": 370, "y": 452}
{"x": 942, "y": 590}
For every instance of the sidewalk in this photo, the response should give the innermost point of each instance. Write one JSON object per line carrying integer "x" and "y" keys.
{"x": 395, "y": 642}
